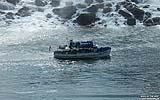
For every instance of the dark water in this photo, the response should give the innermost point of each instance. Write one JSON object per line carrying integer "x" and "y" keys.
{"x": 29, "y": 72}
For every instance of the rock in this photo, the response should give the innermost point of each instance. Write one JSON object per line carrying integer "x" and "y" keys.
{"x": 6, "y": 6}
{"x": 129, "y": 5}
{"x": 146, "y": 6}
{"x": 107, "y": 10}
{"x": 118, "y": 6}
{"x": 100, "y": 5}
{"x": 135, "y": 1}
{"x": 108, "y": 4}
{"x": 158, "y": 9}
{"x": 152, "y": 21}
{"x": 156, "y": 20}
{"x": 125, "y": 13}
{"x": 40, "y": 3}
{"x": 55, "y": 3}
{"x": 100, "y": 1}
{"x": 13, "y": 1}
{"x": 1, "y": 12}
{"x": 40, "y": 9}
{"x": 92, "y": 9}
{"x": 147, "y": 15}
{"x": 105, "y": 25}
{"x": 65, "y": 12}
{"x": 138, "y": 1}
{"x": 131, "y": 21}
{"x": 148, "y": 22}
{"x": 10, "y": 15}
{"x": 8, "y": 21}
{"x": 138, "y": 13}
{"x": 116, "y": 23}
{"x": 102, "y": 22}
{"x": 81, "y": 5}
{"x": 123, "y": 2}
{"x": 89, "y": 2}
{"x": 99, "y": 23}
{"x": 23, "y": 12}
{"x": 86, "y": 19}
{"x": 69, "y": 3}
{"x": 49, "y": 15}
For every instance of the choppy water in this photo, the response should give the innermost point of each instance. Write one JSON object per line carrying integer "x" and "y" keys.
{"x": 29, "y": 72}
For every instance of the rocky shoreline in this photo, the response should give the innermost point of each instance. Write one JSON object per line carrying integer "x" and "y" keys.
{"x": 87, "y": 13}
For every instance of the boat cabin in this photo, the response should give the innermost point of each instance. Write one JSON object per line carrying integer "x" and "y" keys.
{"x": 83, "y": 44}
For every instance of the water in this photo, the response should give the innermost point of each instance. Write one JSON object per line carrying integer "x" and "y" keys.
{"x": 29, "y": 72}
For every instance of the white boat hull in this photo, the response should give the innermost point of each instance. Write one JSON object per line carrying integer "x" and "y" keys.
{"x": 105, "y": 54}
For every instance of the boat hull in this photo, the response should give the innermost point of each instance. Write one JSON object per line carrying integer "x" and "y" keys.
{"x": 92, "y": 55}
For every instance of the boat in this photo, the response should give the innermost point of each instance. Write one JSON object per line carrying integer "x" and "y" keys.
{"x": 82, "y": 50}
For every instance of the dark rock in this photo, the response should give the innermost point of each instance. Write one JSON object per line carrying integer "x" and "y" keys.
{"x": 138, "y": 13}
{"x": 158, "y": 9}
{"x": 49, "y": 15}
{"x": 118, "y": 6}
{"x": 148, "y": 22}
{"x": 152, "y": 21}
{"x": 135, "y": 1}
{"x": 6, "y": 6}
{"x": 86, "y": 19}
{"x": 100, "y": 23}
{"x": 123, "y": 2}
{"x": 108, "y": 4}
{"x": 2, "y": 19}
{"x": 125, "y": 13}
{"x": 81, "y": 5}
{"x": 13, "y": 1}
{"x": 23, "y": 12}
{"x": 65, "y": 12}
{"x": 100, "y": 1}
{"x": 105, "y": 25}
{"x": 147, "y": 15}
{"x": 89, "y": 2}
{"x": 129, "y": 5}
{"x": 131, "y": 21}
{"x": 40, "y": 2}
{"x": 107, "y": 10}
{"x": 55, "y": 3}
{"x": 146, "y": 6}
{"x": 10, "y": 15}
{"x": 138, "y": 1}
{"x": 100, "y": 5}
{"x": 8, "y": 21}
{"x": 156, "y": 20}
{"x": 1, "y": 12}
{"x": 69, "y": 3}
{"x": 116, "y": 23}
{"x": 40, "y": 9}
{"x": 92, "y": 9}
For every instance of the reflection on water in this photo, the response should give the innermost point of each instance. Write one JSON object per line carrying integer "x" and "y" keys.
{"x": 28, "y": 71}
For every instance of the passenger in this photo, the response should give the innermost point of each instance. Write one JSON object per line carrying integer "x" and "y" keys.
{"x": 71, "y": 44}
{"x": 50, "y": 48}
{"x": 77, "y": 44}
